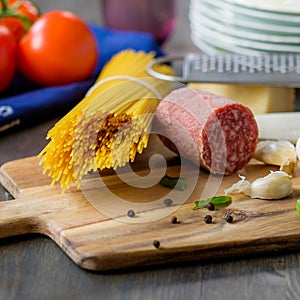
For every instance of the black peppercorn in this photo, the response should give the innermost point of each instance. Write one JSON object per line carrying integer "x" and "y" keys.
{"x": 229, "y": 219}
{"x": 174, "y": 220}
{"x": 210, "y": 206}
{"x": 131, "y": 213}
{"x": 156, "y": 243}
{"x": 208, "y": 219}
{"x": 168, "y": 202}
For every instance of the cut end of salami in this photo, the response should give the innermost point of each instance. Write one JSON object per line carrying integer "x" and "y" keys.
{"x": 217, "y": 133}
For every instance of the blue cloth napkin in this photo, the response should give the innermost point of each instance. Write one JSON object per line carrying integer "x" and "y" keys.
{"x": 25, "y": 103}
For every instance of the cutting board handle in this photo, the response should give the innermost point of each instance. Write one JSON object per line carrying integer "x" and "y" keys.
{"x": 17, "y": 218}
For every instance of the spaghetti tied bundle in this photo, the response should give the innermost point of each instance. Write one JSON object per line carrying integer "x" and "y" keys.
{"x": 110, "y": 124}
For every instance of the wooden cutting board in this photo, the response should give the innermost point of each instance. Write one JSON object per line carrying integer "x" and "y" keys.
{"x": 95, "y": 240}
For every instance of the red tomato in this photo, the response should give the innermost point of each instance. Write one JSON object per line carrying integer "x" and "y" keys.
{"x": 8, "y": 51}
{"x": 58, "y": 49}
{"x": 18, "y": 16}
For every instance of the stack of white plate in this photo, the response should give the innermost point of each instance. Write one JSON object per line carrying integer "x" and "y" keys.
{"x": 250, "y": 27}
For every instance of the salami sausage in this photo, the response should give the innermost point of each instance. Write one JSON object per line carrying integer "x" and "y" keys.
{"x": 214, "y": 132}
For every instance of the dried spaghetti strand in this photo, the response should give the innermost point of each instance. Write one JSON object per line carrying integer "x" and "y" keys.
{"x": 117, "y": 133}
{"x": 110, "y": 124}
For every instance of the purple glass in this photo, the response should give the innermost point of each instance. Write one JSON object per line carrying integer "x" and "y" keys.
{"x": 156, "y": 17}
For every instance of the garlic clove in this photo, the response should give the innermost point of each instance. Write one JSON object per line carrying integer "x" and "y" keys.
{"x": 298, "y": 148}
{"x": 275, "y": 185}
{"x": 280, "y": 153}
{"x": 243, "y": 186}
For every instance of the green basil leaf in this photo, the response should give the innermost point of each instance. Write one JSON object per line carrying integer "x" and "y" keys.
{"x": 298, "y": 206}
{"x": 176, "y": 183}
{"x": 201, "y": 204}
{"x": 220, "y": 201}
{"x": 217, "y": 201}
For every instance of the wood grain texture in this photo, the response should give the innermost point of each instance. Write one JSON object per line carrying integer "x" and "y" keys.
{"x": 97, "y": 241}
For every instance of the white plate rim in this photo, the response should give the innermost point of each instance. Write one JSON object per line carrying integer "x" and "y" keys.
{"x": 214, "y": 48}
{"x": 255, "y": 25}
{"x": 214, "y": 35}
{"x": 229, "y": 5}
{"x": 285, "y": 7}
{"x": 240, "y": 33}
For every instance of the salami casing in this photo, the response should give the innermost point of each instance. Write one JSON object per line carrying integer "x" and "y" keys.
{"x": 214, "y": 132}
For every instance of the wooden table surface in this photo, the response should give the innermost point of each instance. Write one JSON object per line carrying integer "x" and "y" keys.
{"x": 33, "y": 267}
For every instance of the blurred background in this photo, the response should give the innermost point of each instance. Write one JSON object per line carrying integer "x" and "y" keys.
{"x": 246, "y": 27}
{"x": 178, "y": 42}
{"x": 222, "y": 28}
{"x": 197, "y": 31}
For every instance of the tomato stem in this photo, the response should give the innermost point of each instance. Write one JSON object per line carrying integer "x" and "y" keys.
{"x": 23, "y": 19}
{"x": 11, "y": 12}
{"x": 4, "y": 5}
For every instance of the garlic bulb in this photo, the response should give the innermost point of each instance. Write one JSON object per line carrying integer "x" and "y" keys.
{"x": 275, "y": 185}
{"x": 279, "y": 153}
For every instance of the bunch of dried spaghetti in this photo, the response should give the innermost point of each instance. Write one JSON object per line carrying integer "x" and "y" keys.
{"x": 110, "y": 125}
